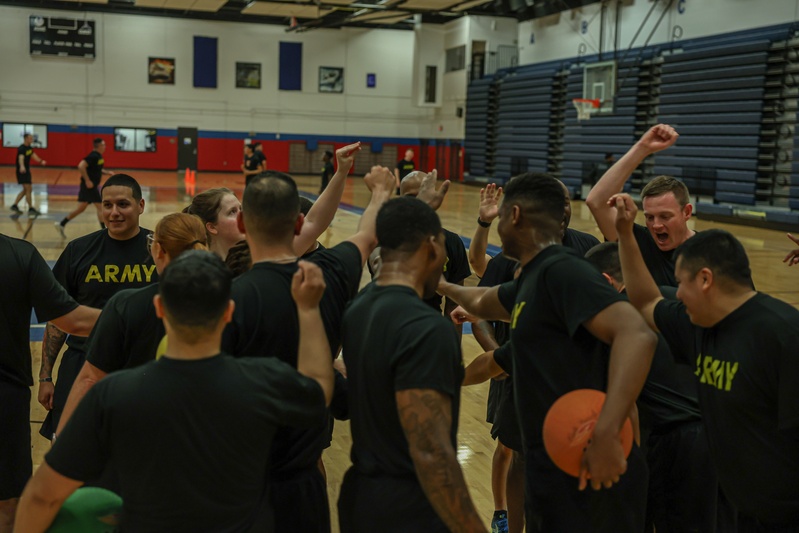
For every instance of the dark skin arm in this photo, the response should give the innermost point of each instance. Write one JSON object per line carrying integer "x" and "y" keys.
{"x": 426, "y": 419}
{"x": 449, "y": 307}
{"x": 483, "y": 368}
{"x": 53, "y": 340}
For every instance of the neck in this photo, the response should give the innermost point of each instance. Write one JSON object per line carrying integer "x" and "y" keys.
{"x": 537, "y": 244}
{"x": 403, "y": 274}
{"x": 727, "y": 302}
{"x": 125, "y": 236}
{"x": 272, "y": 252}
{"x": 201, "y": 347}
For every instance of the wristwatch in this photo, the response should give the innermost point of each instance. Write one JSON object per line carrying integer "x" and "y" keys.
{"x": 48, "y": 380}
{"x": 483, "y": 224}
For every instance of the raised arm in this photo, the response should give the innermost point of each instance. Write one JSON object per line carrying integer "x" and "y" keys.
{"x": 324, "y": 209}
{"x": 481, "y": 302}
{"x": 314, "y": 359}
{"x": 489, "y": 210}
{"x": 641, "y": 287}
{"x": 612, "y": 182}
{"x": 793, "y": 256}
{"x": 381, "y": 182}
{"x": 632, "y": 345}
{"x": 53, "y": 340}
{"x": 426, "y": 419}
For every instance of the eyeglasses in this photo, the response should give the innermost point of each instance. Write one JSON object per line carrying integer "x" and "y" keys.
{"x": 150, "y": 241}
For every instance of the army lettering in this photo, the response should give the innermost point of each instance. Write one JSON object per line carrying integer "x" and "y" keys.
{"x": 111, "y": 274}
{"x": 715, "y": 372}
{"x": 517, "y": 310}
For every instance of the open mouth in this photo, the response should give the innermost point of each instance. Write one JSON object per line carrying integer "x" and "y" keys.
{"x": 662, "y": 238}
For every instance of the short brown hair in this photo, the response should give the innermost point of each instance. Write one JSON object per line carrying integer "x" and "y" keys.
{"x": 180, "y": 232}
{"x": 665, "y": 184}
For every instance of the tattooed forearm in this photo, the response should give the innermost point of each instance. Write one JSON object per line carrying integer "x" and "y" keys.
{"x": 51, "y": 345}
{"x": 426, "y": 419}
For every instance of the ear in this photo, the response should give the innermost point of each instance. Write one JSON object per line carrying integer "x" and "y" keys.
{"x": 515, "y": 214}
{"x": 239, "y": 223}
{"x": 141, "y": 206}
{"x": 210, "y": 228}
{"x": 159, "y": 306}
{"x": 706, "y": 275}
{"x": 227, "y": 317}
{"x": 608, "y": 278}
{"x": 687, "y": 211}
{"x": 160, "y": 253}
{"x": 299, "y": 223}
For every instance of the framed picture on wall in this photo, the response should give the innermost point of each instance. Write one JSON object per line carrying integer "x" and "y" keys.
{"x": 331, "y": 80}
{"x": 161, "y": 70}
{"x": 248, "y": 75}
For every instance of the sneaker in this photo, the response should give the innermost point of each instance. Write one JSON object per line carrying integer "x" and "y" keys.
{"x": 15, "y": 209}
{"x": 499, "y": 524}
{"x": 33, "y": 212}
{"x": 60, "y": 229}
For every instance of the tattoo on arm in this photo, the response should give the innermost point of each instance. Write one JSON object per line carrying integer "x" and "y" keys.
{"x": 53, "y": 340}
{"x": 426, "y": 418}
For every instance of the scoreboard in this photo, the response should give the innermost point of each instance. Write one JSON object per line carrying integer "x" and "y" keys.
{"x": 62, "y": 37}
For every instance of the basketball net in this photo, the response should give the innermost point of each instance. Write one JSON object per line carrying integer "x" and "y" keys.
{"x": 585, "y": 107}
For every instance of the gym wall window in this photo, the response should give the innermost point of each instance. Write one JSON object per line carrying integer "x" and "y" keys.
{"x": 135, "y": 140}
{"x": 13, "y": 134}
{"x": 456, "y": 59}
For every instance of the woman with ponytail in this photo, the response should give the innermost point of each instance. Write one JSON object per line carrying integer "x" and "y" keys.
{"x": 128, "y": 334}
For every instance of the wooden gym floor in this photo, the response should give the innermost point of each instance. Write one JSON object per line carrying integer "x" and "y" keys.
{"x": 55, "y": 191}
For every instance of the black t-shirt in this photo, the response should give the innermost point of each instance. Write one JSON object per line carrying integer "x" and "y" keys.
{"x": 26, "y": 152}
{"x": 456, "y": 267}
{"x": 94, "y": 166}
{"x": 499, "y": 270}
{"x": 579, "y": 241}
{"x": 94, "y": 267}
{"x": 328, "y": 170}
{"x": 251, "y": 162}
{"x": 188, "y": 439}
{"x": 265, "y": 324}
{"x": 659, "y": 263}
{"x": 552, "y": 352}
{"x": 405, "y": 167}
{"x": 27, "y": 283}
{"x": 748, "y": 371}
{"x": 319, "y": 248}
{"x": 393, "y": 342}
{"x": 260, "y": 157}
{"x": 669, "y": 396}
{"x": 128, "y": 333}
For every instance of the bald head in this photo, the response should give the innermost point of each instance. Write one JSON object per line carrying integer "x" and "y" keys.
{"x": 410, "y": 184}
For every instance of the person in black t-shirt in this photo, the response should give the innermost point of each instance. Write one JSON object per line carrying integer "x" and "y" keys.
{"x": 264, "y": 325}
{"x": 91, "y": 173}
{"x": 92, "y": 269}
{"x": 666, "y": 202}
{"x": 23, "y": 166}
{"x": 404, "y": 372}
{"x": 129, "y": 334}
{"x": 258, "y": 152}
{"x": 743, "y": 345}
{"x": 456, "y": 268}
{"x": 252, "y": 164}
{"x": 672, "y": 432}
{"x": 563, "y": 316}
{"x": 403, "y": 168}
{"x": 190, "y": 434}
{"x": 28, "y": 284}
{"x": 327, "y": 170}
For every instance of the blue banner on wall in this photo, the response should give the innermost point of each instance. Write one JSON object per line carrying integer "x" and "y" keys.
{"x": 290, "y": 73}
{"x": 205, "y": 62}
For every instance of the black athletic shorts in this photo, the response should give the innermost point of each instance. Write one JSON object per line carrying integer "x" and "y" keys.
{"x": 506, "y": 423}
{"x": 71, "y": 364}
{"x": 16, "y": 464}
{"x": 92, "y": 195}
{"x": 385, "y": 504}
{"x": 24, "y": 179}
{"x": 553, "y": 503}
{"x": 494, "y": 396}
{"x": 299, "y": 501}
{"x": 683, "y": 485}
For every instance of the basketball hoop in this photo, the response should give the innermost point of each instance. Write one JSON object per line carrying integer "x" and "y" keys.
{"x": 585, "y": 107}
